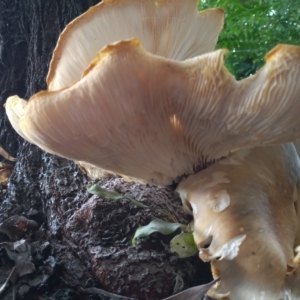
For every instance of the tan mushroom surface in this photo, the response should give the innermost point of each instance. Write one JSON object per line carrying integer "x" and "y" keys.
{"x": 135, "y": 89}
{"x": 169, "y": 28}
{"x": 246, "y": 222}
{"x": 155, "y": 119}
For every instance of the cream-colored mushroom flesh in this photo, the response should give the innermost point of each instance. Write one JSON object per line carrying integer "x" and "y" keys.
{"x": 170, "y": 28}
{"x": 15, "y": 109}
{"x": 245, "y": 221}
{"x": 154, "y": 119}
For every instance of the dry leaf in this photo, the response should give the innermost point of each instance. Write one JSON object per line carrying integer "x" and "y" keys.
{"x": 6, "y": 155}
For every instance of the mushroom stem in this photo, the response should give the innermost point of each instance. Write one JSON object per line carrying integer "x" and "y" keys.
{"x": 245, "y": 220}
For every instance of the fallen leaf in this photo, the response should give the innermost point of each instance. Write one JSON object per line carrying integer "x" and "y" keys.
{"x": 16, "y": 227}
{"x": 107, "y": 295}
{"x": 6, "y": 155}
{"x": 156, "y": 225}
{"x": 5, "y": 173}
{"x": 20, "y": 253}
{"x": 112, "y": 195}
{"x": 184, "y": 245}
{"x": 17, "y": 251}
{"x": 194, "y": 293}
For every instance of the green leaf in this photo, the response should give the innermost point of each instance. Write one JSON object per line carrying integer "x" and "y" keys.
{"x": 252, "y": 28}
{"x": 184, "y": 245}
{"x": 112, "y": 195}
{"x": 156, "y": 225}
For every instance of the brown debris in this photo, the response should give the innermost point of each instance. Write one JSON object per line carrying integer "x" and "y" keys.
{"x": 17, "y": 227}
{"x": 5, "y": 173}
{"x": 6, "y": 155}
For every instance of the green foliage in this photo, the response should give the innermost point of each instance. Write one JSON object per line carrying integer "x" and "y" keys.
{"x": 112, "y": 195}
{"x": 253, "y": 27}
{"x": 184, "y": 245}
{"x": 156, "y": 225}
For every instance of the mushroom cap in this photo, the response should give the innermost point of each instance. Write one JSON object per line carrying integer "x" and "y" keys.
{"x": 15, "y": 108}
{"x": 169, "y": 28}
{"x": 245, "y": 221}
{"x": 147, "y": 117}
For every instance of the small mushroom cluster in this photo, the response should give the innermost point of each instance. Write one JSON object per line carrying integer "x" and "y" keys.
{"x": 136, "y": 88}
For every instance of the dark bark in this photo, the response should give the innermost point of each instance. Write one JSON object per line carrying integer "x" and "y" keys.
{"x": 82, "y": 241}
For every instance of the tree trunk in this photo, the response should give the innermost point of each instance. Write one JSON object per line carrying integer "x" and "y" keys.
{"x": 81, "y": 241}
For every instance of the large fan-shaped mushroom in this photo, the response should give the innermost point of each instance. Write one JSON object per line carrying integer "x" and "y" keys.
{"x": 157, "y": 120}
{"x": 155, "y": 104}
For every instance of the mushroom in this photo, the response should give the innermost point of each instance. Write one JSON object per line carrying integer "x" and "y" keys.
{"x": 246, "y": 221}
{"x": 168, "y": 28}
{"x": 157, "y": 24}
{"x": 141, "y": 115}
{"x": 157, "y": 104}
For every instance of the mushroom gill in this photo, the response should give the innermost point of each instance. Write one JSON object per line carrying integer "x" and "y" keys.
{"x": 146, "y": 117}
{"x": 172, "y": 29}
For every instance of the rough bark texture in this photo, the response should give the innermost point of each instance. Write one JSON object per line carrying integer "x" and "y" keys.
{"x": 81, "y": 240}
